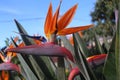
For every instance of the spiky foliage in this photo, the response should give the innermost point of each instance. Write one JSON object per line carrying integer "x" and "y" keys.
{"x": 76, "y": 58}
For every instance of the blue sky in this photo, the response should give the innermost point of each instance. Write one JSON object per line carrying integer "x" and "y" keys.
{"x": 31, "y": 14}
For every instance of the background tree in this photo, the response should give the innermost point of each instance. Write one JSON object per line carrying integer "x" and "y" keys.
{"x": 104, "y": 17}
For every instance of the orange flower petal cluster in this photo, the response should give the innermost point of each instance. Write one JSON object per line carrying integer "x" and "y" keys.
{"x": 57, "y": 25}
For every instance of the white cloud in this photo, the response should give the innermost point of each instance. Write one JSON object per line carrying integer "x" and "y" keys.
{"x": 10, "y": 11}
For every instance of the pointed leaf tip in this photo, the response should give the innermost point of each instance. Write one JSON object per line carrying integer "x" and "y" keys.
{"x": 46, "y": 49}
{"x": 15, "y": 21}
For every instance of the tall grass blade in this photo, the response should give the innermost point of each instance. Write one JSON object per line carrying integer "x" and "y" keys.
{"x": 26, "y": 67}
{"x": 41, "y": 63}
{"x": 60, "y": 65}
{"x": 81, "y": 60}
{"x": 109, "y": 69}
{"x": 98, "y": 46}
{"x": 117, "y": 46}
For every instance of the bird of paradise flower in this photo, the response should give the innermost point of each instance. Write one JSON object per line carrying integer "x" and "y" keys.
{"x": 53, "y": 27}
{"x": 6, "y": 64}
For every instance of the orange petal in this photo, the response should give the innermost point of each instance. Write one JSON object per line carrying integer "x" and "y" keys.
{"x": 37, "y": 41}
{"x": 54, "y": 20}
{"x": 15, "y": 39}
{"x": 46, "y": 49}
{"x": 21, "y": 44}
{"x": 5, "y": 75}
{"x": 66, "y": 18}
{"x": 53, "y": 25}
{"x": 48, "y": 20}
{"x": 8, "y": 57}
{"x": 71, "y": 37}
{"x": 73, "y": 30}
{"x": 11, "y": 54}
{"x": 71, "y": 40}
{"x": 81, "y": 34}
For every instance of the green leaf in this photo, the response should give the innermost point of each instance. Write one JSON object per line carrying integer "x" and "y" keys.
{"x": 82, "y": 46}
{"x": 109, "y": 69}
{"x": 117, "y": 46}
{"x": 60, "y": 65}
{"x": 67, "y": 44}
{"x": 24, "y": 64}
{"x": 106, "y": 45}
{"x": 81, "y": 60}
{"x": 40, "y": 62}
{"x": 112, "y": 45}
{"x": 28, "y": 71}
{"x": 98, "y": 45}
{"x": 61, "y": 69}
{"x": 21, "y": 30}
